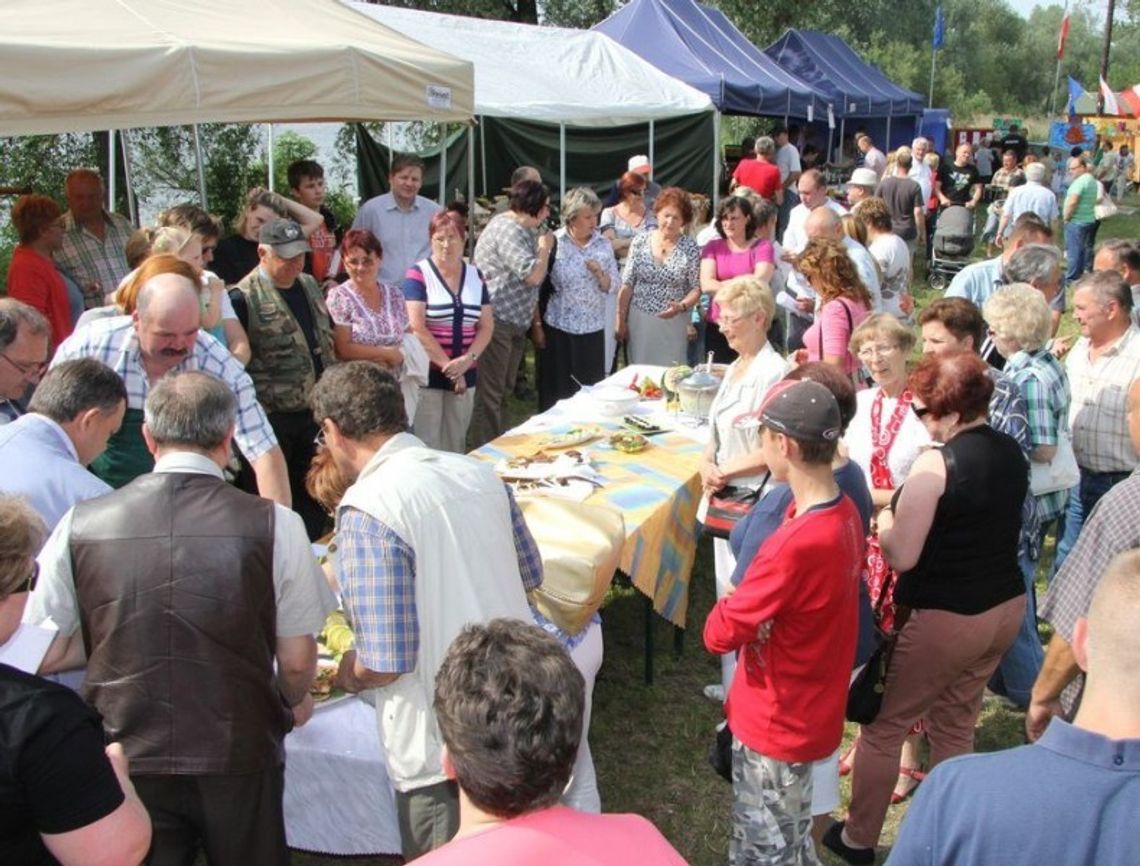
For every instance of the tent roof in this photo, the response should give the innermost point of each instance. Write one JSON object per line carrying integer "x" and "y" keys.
{"x": 552, "y": 74}
{"x": 828, "y": 64}
{"x": 77, "y": 65}
{"x": 701, "y": 47}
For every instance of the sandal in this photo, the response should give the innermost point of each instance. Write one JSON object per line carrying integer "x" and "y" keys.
{"x": 847, "y": 759}
{"x": 907, "y": 776}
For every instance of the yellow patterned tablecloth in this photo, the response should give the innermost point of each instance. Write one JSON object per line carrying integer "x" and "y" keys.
{"x": 656, "y": 491}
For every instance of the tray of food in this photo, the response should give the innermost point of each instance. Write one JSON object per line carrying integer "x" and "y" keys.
{"x": 572, "y": 437}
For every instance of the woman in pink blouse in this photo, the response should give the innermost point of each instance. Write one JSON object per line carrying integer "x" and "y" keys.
{"x": 370, "y": 318}
{"x": 844, "y": 302}
{"x": 738, "y": 252}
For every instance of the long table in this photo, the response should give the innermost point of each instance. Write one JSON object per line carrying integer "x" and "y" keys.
{"x": 656, "y": 490}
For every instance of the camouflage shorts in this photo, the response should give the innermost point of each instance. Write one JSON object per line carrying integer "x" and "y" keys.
{"x": 771, "y": 811}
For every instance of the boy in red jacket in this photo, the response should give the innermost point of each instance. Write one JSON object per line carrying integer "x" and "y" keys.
{"x": 794, "y": 619}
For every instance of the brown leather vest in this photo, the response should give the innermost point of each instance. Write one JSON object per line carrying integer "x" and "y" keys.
{"x": 174, "y": 575}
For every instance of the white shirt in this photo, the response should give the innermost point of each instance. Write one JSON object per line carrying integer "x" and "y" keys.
{"x": 921, "y": 173}
{"x": 794, "y": 241}
{"x": 303, "y": 596}
{"x": 788, "y": 161}
{"x": 984, "y": 159}
{"x": 893, "y": 258}
{"x": 1098, "y": 411}
{"x": 742, "y": 392}
{"x": 868, "y": 272}
{"x": 911, "y": 439}
{"x": 875, "y": 160}
{"x": 1031, "y": 198}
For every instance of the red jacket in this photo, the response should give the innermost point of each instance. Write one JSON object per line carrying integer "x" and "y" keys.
{"x": 33, "y": 279}
{"x": 789, "y": 694}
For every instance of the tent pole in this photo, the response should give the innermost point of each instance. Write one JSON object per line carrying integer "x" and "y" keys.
{"x": 716, "y": 161}
{"x": 443, "y": 165}
{"x": 887, "y": 143}
{"x": 201, "y": 163}
{"x": 561, "y": 164}
{"x": 842, "y": 138}
{"x": 471, "y": 183}
{"x": 483, "y": 148}
{"x": 269, "y": 160}
{"x": 652, "y": 147}
{"x": 132, "y": 205}
{"x": 112, "y": 175}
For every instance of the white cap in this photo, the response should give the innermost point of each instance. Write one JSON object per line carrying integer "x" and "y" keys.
{"x": 640, "y": 164}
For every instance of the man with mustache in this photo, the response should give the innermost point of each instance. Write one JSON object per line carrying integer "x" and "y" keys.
{"x": 163, "y": 335}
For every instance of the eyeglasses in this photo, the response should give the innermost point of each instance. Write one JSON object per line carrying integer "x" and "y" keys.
{"x": 881, "y": 351}
{"x": 30, "y": 582}
{"x": 920, "y": 411}
{"x": 639, "y": 193}
{"x": 319, "y": 439}
{"x": 26, "y": 368}
{"x": 360, "y": 263}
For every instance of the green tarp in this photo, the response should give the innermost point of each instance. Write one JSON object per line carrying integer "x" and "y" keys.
{"x": 594, "y": 157}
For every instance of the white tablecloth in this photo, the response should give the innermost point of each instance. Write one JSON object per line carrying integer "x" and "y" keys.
{"x": 338, "y": 799}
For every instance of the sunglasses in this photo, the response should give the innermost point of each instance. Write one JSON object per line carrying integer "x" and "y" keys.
{"x": 30, "y": 583}
{"x": 920, "y": 411}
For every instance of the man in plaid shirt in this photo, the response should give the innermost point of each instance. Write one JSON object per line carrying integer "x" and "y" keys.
{"x": 1112, "y": 528}
{"x": 94, "y": 240}
{"x": 1102, "y": 367}
{"x": 163, "y": 335}
{"x": 427, "y": 542}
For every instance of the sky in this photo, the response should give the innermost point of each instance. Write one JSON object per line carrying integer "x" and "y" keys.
{"x": 1024, "y": 7}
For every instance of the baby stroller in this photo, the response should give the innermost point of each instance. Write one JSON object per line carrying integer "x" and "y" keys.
{"x": 952, "y": 244}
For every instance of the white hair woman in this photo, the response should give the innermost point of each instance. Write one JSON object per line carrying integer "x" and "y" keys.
{"x": 732, "y": 457}
{"x": 582, "y": 282}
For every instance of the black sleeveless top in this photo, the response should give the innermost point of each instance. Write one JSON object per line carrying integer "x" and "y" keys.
{"x": 969, "y": 561}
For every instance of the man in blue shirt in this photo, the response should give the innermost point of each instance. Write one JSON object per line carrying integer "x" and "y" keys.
{"x": 77, "y": 407}
{"x": 976, "y": 282}
{"x": 1072, "y": 797}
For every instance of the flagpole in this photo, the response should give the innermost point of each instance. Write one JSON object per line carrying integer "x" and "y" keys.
{"x": 933, "y": 60}
{"x": 1060, "y": 58}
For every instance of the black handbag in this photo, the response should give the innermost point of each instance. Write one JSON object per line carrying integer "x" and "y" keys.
{"x": 726, "y": 507}
{"x": 865, "y": 697}
{"x": 720, "y": 753}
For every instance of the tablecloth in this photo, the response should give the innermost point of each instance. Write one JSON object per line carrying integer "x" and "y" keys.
{"x": 338, "y": 799}
{"x": 657, "y": 490}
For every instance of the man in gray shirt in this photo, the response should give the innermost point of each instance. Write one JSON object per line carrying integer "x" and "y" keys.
{"x": 399, "y": 218}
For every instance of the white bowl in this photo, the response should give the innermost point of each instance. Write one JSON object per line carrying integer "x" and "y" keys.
{"x": 614, "y": 399}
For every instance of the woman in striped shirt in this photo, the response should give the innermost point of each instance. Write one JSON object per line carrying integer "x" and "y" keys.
{"x": 449, "y": 309}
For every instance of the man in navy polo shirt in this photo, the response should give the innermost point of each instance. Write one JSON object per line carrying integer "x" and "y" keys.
{"x": 1073, "y": 796}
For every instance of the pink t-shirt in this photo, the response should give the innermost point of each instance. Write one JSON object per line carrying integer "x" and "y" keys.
{"x": 731, "y": 264}
{"x": 832, "y": 330}
{"x": 560, "y": 837}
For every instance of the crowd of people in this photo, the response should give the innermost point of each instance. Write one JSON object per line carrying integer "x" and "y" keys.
{"x": 155, "y": 382}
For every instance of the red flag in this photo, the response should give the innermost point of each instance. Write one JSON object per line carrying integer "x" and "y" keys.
{"x": 1063, "y": 37}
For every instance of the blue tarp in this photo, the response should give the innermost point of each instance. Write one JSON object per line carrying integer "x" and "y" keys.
{"x": 853, "y": 86}
{"x": 701, "y": 48}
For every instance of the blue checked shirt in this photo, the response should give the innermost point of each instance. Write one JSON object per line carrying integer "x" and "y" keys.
{"x": 1042, "y": 380}
{"x": 376, "y": 570}
{"x": 1009, "y": 415}
{"x": 114, "y": 342}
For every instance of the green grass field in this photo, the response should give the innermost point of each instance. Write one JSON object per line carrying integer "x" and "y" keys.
{"x": 650, "y": 742}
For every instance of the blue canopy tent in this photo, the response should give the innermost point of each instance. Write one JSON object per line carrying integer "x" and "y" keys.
{"x": 700, "y": 47}
{"x": 891, "y": 114}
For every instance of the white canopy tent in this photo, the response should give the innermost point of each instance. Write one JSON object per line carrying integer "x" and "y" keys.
{"x": 78, "y": 65}
{"x": 82, "y": 65}
{"x": 550, "y": 74}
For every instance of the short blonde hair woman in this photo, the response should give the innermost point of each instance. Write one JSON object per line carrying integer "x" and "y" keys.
{"x": 1019, "y": 314}
{"x": 732, "y": 457}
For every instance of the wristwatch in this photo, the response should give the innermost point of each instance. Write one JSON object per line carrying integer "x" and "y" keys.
{"x": 474, "y": 356}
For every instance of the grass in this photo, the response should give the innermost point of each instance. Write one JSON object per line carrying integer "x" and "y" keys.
{"x": 650, "y": 742}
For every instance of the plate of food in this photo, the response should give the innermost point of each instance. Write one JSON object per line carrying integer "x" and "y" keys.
{"x": 324, "y": 689}
{"x": 570, "y": 438}
{"x": 628, "y": 442}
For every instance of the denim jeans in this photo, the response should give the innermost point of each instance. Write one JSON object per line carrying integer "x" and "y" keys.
{"x": 1021, "y": 663}
{"x": 1092, "y": 487}
{"x": 1077, "y": 237}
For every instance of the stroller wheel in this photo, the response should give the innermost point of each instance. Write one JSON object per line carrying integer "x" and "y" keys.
{"x": 937, "y": 281}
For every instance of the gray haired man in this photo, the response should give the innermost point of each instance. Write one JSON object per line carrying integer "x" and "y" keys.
{"x": 24, "y": 338}
{"x": 195, "y": 605}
